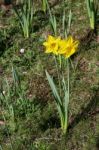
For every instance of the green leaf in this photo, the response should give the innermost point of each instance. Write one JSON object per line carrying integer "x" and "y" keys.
{"x": 54, "y": 89}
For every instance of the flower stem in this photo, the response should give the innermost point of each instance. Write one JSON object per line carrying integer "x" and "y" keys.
{"x": 68, "y": 78}
{"x": 58, "y": 73}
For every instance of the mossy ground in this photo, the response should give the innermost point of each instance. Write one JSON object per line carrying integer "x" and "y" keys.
{"x": 28, "y": 116}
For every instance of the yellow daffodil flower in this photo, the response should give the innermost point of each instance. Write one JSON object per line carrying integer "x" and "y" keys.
{"x": 63, "y": 47}
{"x": 71, "y": 47}
{"x": 52, "y": 45}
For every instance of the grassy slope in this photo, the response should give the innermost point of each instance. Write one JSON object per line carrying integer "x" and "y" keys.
{"x": 35, "y": 122}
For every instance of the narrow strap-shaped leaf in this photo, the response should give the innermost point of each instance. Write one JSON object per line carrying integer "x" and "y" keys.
{"x": 54, "y": 89}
